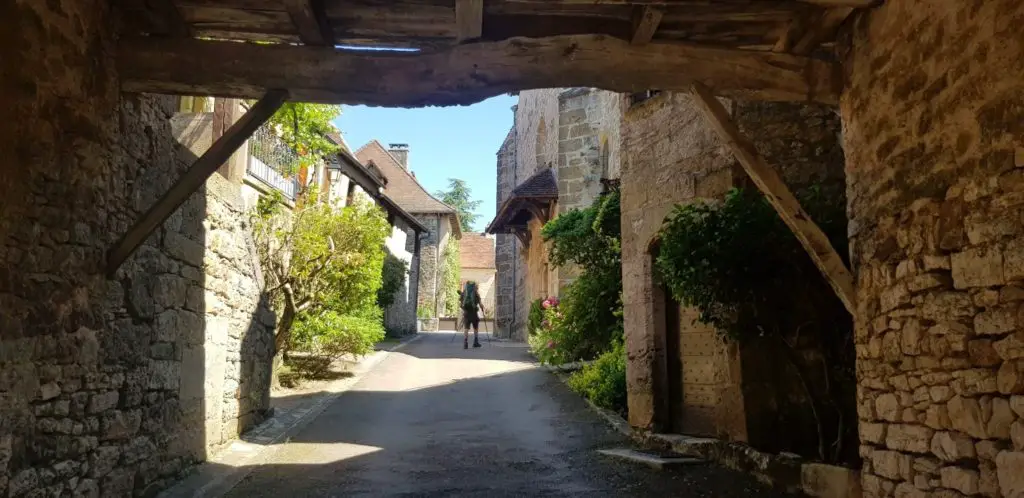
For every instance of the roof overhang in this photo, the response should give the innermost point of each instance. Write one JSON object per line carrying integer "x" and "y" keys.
{"x": 516, "y": 212}
{"x": 374, "y": 186}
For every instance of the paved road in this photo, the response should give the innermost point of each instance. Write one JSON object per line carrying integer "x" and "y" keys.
{"x": 436, "y": 420}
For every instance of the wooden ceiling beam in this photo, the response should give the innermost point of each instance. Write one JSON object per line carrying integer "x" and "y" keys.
{"x": 824, "y": 29}
{"x": 645, "y": 23}
{"x": 814, "y": 241}
{"x": 469, "y": 19}
{"x": 311, "y": 22}
{"x": 467, "y": 73}
{"x": 687, "y": 3}
{"x": 160, "y": 17}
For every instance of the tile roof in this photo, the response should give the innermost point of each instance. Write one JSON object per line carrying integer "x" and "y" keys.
{"x": 541, "y": 184}
{"x": 401, "y": 187}
{"x": 476, "y": 250}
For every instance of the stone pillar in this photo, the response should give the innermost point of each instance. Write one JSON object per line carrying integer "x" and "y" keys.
{"x": 933, "y": 115}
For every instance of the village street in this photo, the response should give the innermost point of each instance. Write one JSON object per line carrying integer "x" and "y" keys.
{"x": 437, "y": 420}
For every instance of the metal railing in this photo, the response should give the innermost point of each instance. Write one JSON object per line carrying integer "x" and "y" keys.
{"x": 272, "y": 162}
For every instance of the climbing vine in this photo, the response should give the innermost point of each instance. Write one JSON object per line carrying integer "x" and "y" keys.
{"x": 450, "y": 277}
{"x": 748, "y": 276}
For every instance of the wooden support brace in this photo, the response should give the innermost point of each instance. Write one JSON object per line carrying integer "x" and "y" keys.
{"x": 645, "y": 23}
{"x": 469, "y": 19}
{"x": 774, "y": 189}
{"x": 194, "y": 178}
{"x": 311, "y": 22}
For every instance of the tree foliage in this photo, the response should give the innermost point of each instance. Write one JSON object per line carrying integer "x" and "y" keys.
{"x": 304, "y": 128}
{"x": 748, "y": 276}
{"x": 589, "y": 317}
{"x": 395, "y": 270}
{"x": 321, "y": 263}
{"x": 459, "y": 196}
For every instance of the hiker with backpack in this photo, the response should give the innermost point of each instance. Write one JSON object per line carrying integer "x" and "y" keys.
{"x": 471, "y": 304}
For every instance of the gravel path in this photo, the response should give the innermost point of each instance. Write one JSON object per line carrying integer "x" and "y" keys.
{"x": 436, "y": 420}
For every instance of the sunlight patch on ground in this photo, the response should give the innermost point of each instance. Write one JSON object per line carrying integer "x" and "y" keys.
{"x": 324, "y": 453}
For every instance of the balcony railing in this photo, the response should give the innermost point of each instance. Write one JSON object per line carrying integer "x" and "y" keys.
{"x": 271, "y": 161}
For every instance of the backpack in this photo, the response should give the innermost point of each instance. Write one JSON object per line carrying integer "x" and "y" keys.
{"x": 469, "y": 297}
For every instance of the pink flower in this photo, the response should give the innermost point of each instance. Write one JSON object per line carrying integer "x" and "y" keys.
{"x": 546, "y": 304}
{"x": 545, "y": 324}
{"x": 551, "y": 344}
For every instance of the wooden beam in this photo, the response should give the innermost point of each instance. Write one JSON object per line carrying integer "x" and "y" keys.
{"x": 309, "y": 19}
{"x": 469, "y": 19}
{"x": 161, "y": 17}
{"x": 768, "y": 181}
{"x": 822, "y": 30}
{"x": 467, "y": 73}
{"x": 194, "y": 178}
{"x": 690, "y": 3}
{"x": 645, "y": 23}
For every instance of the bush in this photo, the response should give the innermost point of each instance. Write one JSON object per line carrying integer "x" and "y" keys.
{"x": 589, "y": 319}
{"x": 748, "y": 276}
{"x": 604, "y": 381}
{"x": 536, "y": 316}
{"x": 393, "y": 277}
{"x": 330, "y": 336}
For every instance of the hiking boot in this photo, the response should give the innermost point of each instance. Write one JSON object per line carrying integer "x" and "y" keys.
{"x": 465, "y": 344}
{"x": 476, "y": 344}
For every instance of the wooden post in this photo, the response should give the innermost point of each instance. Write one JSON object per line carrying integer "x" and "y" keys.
{"x": 469, "y": 19}
{"x": 645, "y": 23}
{"x": 190, "y": 182}
{"x": 779, "y": 196}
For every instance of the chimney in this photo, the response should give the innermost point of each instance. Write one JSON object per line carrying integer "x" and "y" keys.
{"x": 401, "y": 153}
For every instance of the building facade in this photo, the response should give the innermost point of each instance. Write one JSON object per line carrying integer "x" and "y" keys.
{"x": 440, "y": 220}
{"x": 476, "y": 256}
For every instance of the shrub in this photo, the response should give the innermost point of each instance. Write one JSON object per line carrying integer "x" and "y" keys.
{"x": 590, "y": 314}
{"x": 748, "y": 276}
{"x": 393, "y": 277}
{"x": 604, "y": 381}
{"x": 535, "y": 317}
{"x": 330, "y": 335}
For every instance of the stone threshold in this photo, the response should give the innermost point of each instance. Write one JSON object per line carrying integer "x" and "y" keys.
{"x": 785, "y": 472}
{"x": 237, "y": 459}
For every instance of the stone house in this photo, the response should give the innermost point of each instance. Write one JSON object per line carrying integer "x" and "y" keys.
{"x": 347, "y": 178}
{"x": 563, "y": 143}
{"x": 476, "y": 257}
{"x": 681, "y": 376}
{"x": 440, "y": 220}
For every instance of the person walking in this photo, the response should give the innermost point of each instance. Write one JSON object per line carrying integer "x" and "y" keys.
{"x": 472, "y": 306}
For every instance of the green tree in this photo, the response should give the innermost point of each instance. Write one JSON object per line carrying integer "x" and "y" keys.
{"x": 323, "y": 267}
{"x": 304, "y": 128}
{"x": 459, "y": 196}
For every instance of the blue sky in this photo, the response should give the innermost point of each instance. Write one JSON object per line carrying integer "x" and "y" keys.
{"x": 444, "y": 142}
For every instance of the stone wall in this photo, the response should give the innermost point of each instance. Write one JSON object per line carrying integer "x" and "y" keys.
{"x": 102, "y": 381}
{"x": 505, "y": 245}
{"x": 669, "y": 156}
{"x": 933, "y": 116}
{"x": 430, "y": 256}
{"x": 400, "y": 317}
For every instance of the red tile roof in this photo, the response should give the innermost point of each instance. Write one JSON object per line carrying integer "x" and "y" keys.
{"x": 476, "y": 250}
{"x": 402, "y": 186}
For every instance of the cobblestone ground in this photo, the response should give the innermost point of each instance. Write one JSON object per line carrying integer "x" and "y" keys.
{"x": 437, "y": 420}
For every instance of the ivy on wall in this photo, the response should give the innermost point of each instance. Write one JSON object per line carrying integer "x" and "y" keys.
{"x": 450, "y": 277}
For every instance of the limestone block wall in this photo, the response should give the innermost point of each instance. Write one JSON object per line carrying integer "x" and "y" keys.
{"x": 103, "y": 380}
{"x": 505, "y": 245}
{"x": 430, "y": 253}
{"x": 933, "y": 115}
{"x": 400, "y": 317}
{"x": 669, "y": 157}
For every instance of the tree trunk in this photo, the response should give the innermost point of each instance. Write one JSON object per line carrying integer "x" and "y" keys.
{"x": 283, "y": 336}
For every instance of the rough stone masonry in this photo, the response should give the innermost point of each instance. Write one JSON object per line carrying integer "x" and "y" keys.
{"x": 110, "y": 387}
{"x": 933, "y": 116}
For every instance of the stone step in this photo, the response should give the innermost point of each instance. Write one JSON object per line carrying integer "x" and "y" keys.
{"x": 653, "y": 458}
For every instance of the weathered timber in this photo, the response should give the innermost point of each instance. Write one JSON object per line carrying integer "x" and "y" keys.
{"x": 469, "y": 19}
{"x": 815, "y": 241}
{"x": 468, "y": 73}
{"x": 159, "y": 17}
{"x": 645, "y": 23}
{"x": 309, "y": 19}
{"x": 824, "y": 28}
{"x": 189, "y": 183}
{"x": 683, "y": 3}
